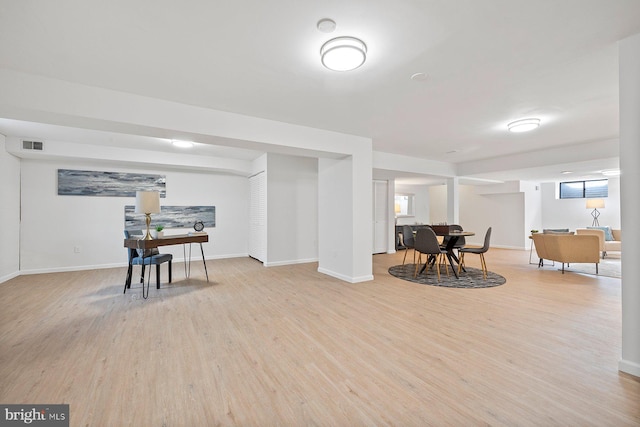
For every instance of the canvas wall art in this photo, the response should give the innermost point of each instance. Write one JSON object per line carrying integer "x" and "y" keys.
{"x": 171, "y": 217}
{"x": 108, "y": 184}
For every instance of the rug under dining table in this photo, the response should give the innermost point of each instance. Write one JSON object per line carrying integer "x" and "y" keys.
{"x": 471, "y": 279}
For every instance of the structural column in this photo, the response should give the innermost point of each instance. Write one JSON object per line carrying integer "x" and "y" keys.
{"x": 629, "y": 69}
{"x": 453, "y": 200}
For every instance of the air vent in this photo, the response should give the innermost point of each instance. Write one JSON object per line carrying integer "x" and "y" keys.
{"x": 32, "y": 145}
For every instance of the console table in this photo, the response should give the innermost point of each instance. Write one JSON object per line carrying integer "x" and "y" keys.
{"x": 181, "y": 239}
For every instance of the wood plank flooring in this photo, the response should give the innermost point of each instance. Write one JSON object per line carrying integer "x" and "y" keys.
{"x": 287, "y": 346}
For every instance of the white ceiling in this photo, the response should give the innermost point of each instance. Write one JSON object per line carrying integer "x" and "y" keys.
{"x": 488, "y": 62}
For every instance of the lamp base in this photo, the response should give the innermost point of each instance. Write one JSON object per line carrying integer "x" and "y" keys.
{"x": 595, "y": 214}
{"x": 148, "y": 219}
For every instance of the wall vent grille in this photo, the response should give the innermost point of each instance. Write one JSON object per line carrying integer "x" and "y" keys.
{"x": 32, "y": 145}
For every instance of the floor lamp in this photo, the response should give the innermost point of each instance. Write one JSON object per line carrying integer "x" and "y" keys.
{"x": 595, "y": 204}
{"x": 147, "y": 202}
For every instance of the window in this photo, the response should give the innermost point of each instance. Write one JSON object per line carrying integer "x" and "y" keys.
{"x": 404, "y": 204}
{"x": 584, "y": 189}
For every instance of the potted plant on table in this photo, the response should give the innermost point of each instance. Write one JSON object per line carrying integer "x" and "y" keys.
{"x": 158, "y": 232}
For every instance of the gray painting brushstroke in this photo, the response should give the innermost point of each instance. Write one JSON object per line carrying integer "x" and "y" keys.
{"x": 108, "y": 184}
{"x": 171, "y": 217}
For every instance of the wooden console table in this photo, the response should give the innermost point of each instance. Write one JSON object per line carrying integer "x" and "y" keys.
{"x": 181, "y": 239}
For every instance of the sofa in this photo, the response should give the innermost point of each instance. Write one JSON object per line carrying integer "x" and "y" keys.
{"x": 567, "y": 248}
{"x": 614, "y": 244}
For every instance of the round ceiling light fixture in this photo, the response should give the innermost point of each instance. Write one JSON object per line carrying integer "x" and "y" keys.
{"x": 343, "y": 53}
{"x": 524, "y": 125}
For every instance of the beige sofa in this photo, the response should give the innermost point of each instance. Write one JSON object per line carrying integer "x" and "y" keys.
{"x": 614, "y": 245}
{"x": 567, "y": 248}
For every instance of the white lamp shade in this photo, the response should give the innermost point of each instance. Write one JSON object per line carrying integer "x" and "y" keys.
{"x": 595, "y": 203}
{"x": 147, "y": 202}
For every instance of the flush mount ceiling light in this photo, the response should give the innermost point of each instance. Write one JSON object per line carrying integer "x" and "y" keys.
{"x": 523, "y": 125}
{"x": 343, "y": 53}
{"x": 182, "y": 144}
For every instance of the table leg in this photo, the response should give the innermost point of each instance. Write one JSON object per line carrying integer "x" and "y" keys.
{"x": 204, "y": 262}
{"x": 127, "y": 282}
{"x": 450, "y": 257}
{"x": 184, "y": 255}
{"x": 148, "y": 278}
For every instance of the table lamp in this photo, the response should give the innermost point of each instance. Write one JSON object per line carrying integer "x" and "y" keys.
{"x": 595, "y": 204}
{"x": 147, "y": 202}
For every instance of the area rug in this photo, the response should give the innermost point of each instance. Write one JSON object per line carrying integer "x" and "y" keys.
{"x": 606, "y": 267}
{"x": 471, "y": 279}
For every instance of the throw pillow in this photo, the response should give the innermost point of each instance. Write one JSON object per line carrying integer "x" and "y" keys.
{"x": 608, "y": 235}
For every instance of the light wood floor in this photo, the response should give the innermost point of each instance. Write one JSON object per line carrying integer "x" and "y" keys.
{"x": 289, "y": 346}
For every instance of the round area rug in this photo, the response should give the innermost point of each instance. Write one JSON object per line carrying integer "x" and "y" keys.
{"x": 471, "y": 279}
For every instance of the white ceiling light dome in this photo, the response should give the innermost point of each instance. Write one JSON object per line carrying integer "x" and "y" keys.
{"x": 523, "y": 125}
{"x": 343, "y": 53}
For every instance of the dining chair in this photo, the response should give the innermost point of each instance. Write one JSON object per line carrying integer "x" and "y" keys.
{"x": 427, "y": 243}
{"x": 460, "y": 242}
{"x": 480, "y": 251}
{"x": 149, "y": 257}
{"x": 408, "y": 241}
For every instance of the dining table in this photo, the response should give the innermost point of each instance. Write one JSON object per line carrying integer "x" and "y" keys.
{"x": 453, "y": 236}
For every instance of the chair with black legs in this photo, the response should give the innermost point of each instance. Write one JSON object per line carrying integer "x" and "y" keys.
{"x": 409, "y": 242}
{"x": 480, "y": 251}
{"x": 149, "y": 257}
{"x": 427, "y": 243}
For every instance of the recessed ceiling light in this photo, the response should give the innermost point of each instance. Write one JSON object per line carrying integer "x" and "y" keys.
{"x": 326, "y": 25}
{"x": 419, "y": 77}
{"x": 524, "y": 125}
{"x": 343, "y": 53}
{"x": 182, "y": 144}
{"x": 566, "y": 172}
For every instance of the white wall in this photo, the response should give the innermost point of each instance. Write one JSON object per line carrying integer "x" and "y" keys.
{"x": 504, "y": 212}
{"x": 572, "y": 213}
{"x": 335, "y": 208}
{"x": 437, "y": 204}
{"x": 292, "y": 210}
{"x": 629, "y": 159}
{"x": 52, "y": 226}
{"x": 9, "y": 214}
{"x": 533, "y": 208}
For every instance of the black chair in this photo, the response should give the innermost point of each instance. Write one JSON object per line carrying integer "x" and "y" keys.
{"x": 427, "y": 243}
{"x": 480, "y": 251}
{"x": 409, "y": 242}
{"x": 151, "y": 257}
{"x": 460, "y": 242}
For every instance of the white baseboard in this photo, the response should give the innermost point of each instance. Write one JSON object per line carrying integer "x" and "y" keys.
{"x": 344, "y": 277}
{"x": 290, "y": 262}
{"x": 194, "y": 258}
{"x": 72, "y": 268}
{"x": 629, "y": 367}
{"x": 9, "y": 276}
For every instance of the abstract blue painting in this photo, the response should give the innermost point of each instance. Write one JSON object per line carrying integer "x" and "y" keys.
{"x": 108, "y": 184}
{"x": 171, "y": 217}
